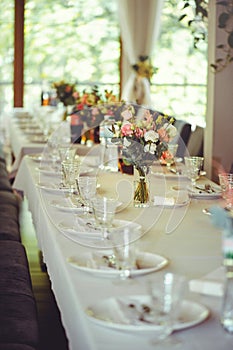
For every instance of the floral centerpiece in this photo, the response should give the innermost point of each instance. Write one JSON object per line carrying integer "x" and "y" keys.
{"x": 144, "y": 137}
{"x": 91, "y": 107}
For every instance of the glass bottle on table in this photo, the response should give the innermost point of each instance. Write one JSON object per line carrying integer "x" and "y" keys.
{"x": 109, "y": 150}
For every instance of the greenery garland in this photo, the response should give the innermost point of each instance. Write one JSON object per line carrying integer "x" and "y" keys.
{"x": 198, "y": 10}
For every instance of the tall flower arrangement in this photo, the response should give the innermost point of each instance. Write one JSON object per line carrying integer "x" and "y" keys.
{"x": 143, "y": 136}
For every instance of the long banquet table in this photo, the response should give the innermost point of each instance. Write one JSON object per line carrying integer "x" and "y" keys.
{"x": 184, "y": 235}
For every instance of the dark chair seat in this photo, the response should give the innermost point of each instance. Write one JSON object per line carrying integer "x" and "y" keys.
{"x": 9, "y": 229}
{"x": 12, "y": 252}
{"x": 18, "y": 312}
{"x": 182, "y": 138}
{"x": 196, "y": 142}
{"x": 18, "y": 318}
{"x": 9, "y": 198}
{"x": 12, "y": 346}
{"x": 5, "y": 184}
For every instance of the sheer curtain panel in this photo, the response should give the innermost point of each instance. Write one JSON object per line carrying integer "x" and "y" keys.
{"x": 139, "y": 24}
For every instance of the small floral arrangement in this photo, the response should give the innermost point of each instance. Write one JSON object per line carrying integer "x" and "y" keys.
{"x": 144, "y": 68}
{"x": 65, "y": 92}
{"x": 91, "y": 106}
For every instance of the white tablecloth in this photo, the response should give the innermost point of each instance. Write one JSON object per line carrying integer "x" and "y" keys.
{"x": 185, "y": 235}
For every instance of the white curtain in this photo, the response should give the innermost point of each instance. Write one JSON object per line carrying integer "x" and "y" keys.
{"x": 139, "y": 24}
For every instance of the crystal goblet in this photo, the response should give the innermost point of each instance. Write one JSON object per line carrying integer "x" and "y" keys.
{"x": 104, "y": 210}
{"x": 86, "y": 188}
{"x": 166, "y": 291}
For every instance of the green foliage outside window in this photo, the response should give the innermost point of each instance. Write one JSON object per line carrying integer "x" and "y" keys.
{"x": 78, "y": 42}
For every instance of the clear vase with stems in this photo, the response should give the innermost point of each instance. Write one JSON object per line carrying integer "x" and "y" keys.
{"x": 141, "y": 187}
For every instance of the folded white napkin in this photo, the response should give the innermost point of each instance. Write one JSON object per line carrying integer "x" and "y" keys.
{"x": 210, "y": 284}
{"x": 159, "y": 200}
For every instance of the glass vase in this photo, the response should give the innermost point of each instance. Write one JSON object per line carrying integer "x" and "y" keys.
{"x": 141, "y": 187}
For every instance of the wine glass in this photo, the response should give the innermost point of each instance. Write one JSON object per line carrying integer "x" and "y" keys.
{"x": 171, "y": 153}
{"x": 166, "y": 291}
{"x": 226, "y": 184}
{"x": 124, "y": 241}
{"x": 191, "y": 169}
{"x": 86, "y": 187}
{"x": 70, "y": 171}
{"x": 104, "y": 210}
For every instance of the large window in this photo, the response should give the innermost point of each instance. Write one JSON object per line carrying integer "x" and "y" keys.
{"x": 75, "y": 41}
{"x": 179, "y": 86}
{"x": 79, "y": 42}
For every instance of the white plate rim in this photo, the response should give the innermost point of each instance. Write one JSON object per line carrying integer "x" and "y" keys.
{"x": 114, "y": 273}
{"x": 55, "y": 204}
{"x": 169, "y": 176}
{"x": 72, "y": 234}
{"x": 69, "y": 208}
{"x": 51, "y": 171}
{"x": 145, "y": 327}
{"x": 47, "y": 187}
{"x": 37, "y": 157}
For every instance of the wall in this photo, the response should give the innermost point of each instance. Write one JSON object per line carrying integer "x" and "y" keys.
{"x": 218, "y": 147}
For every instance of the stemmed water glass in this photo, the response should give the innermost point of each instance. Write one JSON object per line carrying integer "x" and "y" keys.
{"x": 86, "y": 188}
{"x": 104, "y": 212}
{"x": 125, "y": 241}
{"x": 70, "y": 171}
{"x": 166, "y": 292}
{"x": 226, "y": 184}
{"x": 172, "y": 149}
{"x": 192, "y": 169}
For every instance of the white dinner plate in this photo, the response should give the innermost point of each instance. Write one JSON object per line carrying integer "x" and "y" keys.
{"x": 65, "y": 204}
{"x": 37, "y": 157}
{"x": 169, "y": 175}
{"x": 48, "y": 170}
{"x": 80, "y": 227}
{"x": 52, "y": 187}
{"x": 34, "y": 132}
{"x": 97, "y": 264}
{"x": 200, "y": 193}
{"x": 37, "y": 139}
{"x": 118, "y": 313}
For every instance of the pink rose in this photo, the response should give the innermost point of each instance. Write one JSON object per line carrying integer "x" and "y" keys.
{"x": 126, "y": 129}
{"x": 139, "y": 132}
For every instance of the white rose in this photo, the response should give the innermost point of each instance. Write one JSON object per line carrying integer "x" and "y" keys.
{"x": 151, "y": 135}
{"x": 151, "y": 148}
